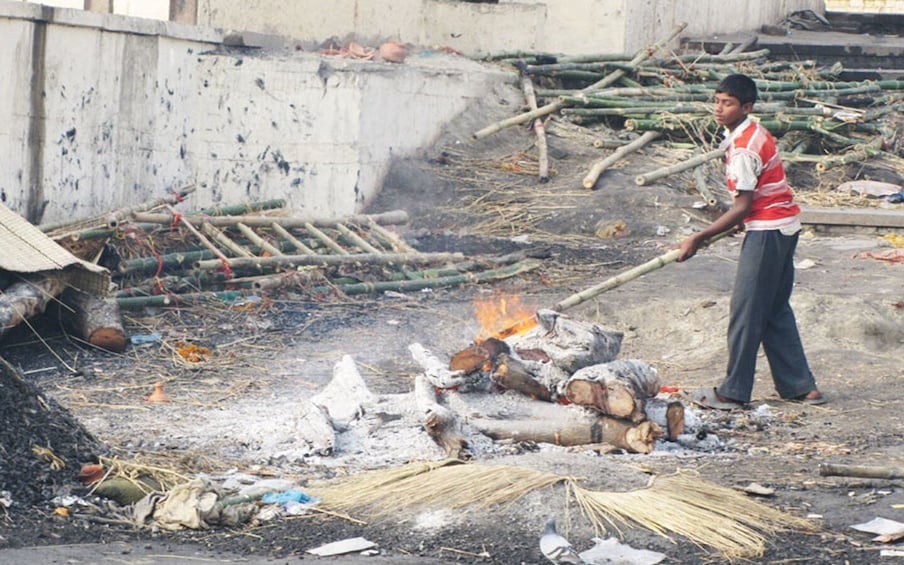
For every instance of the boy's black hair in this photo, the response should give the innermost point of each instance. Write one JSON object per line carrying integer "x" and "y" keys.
{"x": 741, "y": 87}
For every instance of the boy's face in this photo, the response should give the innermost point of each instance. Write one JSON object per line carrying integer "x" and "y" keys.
{"x": 729, "y": 111}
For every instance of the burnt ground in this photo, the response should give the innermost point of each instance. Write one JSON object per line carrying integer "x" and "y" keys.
{"x": 482, "y": 199}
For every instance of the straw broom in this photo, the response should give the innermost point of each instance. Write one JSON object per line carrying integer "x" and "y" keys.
{"x": 682, "y": 504}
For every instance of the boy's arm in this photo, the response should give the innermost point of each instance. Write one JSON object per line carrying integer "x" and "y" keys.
{"x": 740, "y": 207}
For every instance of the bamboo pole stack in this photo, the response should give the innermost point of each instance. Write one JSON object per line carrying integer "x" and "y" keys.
{"x": 657, "y": 90}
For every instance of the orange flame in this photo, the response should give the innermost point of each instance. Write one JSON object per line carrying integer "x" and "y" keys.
{"x": 502, "y": 317}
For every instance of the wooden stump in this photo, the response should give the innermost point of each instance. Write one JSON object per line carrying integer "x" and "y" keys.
{"x": 618, "y": 388}
{"x": 95, "y": 320}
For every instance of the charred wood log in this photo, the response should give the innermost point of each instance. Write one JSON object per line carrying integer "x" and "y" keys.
{"x": 618, "y": 388}
{"x": 29, "y": 297}
{"x": 674, "y": 418}
{"x": 513, "y": 375}
{"x": 439, "y": 421}
{"x": 436, "y": 372}
{"x": 587, "y": 430}
{"x": 95, "y": 320}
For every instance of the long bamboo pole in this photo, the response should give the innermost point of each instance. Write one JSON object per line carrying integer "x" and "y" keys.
{"x": 646, "y": 178}
{"x": 298, "y": 260}
{"x": 539, "y": 129}
{"x": 386, "y": 218}
{"x": 627, "y": 276}
{"x": 703, "y": 187}
{"x": 112, "y": 219}
{"x": 597, "y": 169}
{"x": 862, "y": 471}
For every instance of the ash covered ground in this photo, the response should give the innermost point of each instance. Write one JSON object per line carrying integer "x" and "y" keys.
{"x": 459, "y": 198}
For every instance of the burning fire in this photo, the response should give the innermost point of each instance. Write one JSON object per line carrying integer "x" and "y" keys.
{"x": 502, "y": 317}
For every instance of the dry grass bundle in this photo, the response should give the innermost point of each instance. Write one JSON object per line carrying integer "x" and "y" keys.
{"x": 424, "y": 484}
{"x": 682, "y": 504}
{"x": 706, "y": 514}
{"x": 132, "y": 472}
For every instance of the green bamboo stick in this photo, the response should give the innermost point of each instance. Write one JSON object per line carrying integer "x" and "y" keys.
{"x": 187, "y": 299}
{"x": 641, "y": 180}
{"x": 856, "y": 155}
{"x": 440, "y": 282}
{"x": 600, "y": 166}
{"x": 284, "y": 261}
{"x": 240, "y": 209}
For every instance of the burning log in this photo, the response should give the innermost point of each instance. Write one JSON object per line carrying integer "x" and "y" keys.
{"x": 618, "y": 388}
{"x": 29, "y": 297}
{"x": 95, "y": 320}
{"x": 586, "y": 430}
{"x": 571, "y": 344}
{"x": 478, "y": 355}
{"x": 513, "y": 375}
{"x": 439, "y": 421}
{"x": 436, "y": 372}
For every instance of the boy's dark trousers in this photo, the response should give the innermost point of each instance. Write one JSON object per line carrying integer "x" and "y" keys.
{"x": 761, "y": 314}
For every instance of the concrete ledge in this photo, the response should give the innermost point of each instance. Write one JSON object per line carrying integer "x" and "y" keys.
{"x": 853, "y": 217}
{"x": 108, "y": 22}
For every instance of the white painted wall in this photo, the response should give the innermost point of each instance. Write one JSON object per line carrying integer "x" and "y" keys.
{"x": 134, "y": 107}
{"x": 648, "y": 19}
{"x": 555, "y": 26}
{"x": 867, "y": 6}
{"x": 155, "y": 9}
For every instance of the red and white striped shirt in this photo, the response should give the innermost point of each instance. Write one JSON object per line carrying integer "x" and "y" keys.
{"x": 753, "y": 163}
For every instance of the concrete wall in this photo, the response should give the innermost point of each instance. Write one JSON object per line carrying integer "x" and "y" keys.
{"x": 649, "y": 19}
{"x": 868, "y": 6}
{"x": 105, "y": 111}
{"x": 556, "y": 26}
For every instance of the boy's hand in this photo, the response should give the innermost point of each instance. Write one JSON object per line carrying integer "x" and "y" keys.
{"x": 689, "y": 247}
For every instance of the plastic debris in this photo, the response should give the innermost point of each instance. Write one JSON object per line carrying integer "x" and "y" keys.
{"x": 145, "y": 338}
{"x": 350, "y": 545}
{"x": 285, "y": 497}
{"x": 611, "y": 551}
{"x": 887, "y": 531}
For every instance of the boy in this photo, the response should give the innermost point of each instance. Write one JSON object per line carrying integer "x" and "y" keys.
{"x": 764, "y": 206}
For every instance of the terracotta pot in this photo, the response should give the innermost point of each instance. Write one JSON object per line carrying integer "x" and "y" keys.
{"x": 393, "y": 52}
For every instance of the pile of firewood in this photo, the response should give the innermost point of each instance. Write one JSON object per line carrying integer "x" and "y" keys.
{"x": 579, "y": 392}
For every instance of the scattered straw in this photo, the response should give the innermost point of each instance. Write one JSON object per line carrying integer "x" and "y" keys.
{"x": 682, "y": 504}
{"x": 166, "y": 478}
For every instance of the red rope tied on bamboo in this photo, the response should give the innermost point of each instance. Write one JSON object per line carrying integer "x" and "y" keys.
{"x": 177, "y": 218}
{"x": 225, "y": 269}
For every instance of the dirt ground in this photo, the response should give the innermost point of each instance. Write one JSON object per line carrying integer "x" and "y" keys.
{"x": 235, "y": 411}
